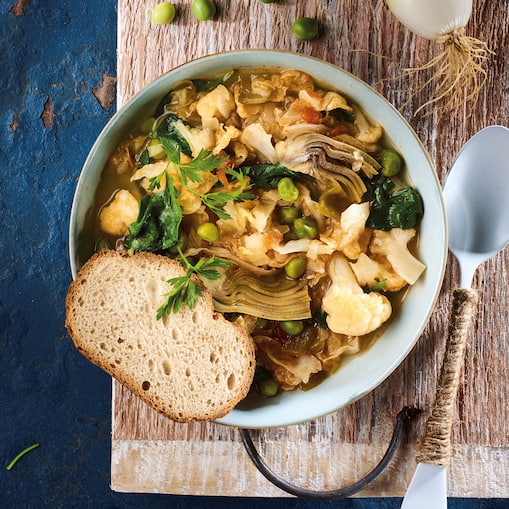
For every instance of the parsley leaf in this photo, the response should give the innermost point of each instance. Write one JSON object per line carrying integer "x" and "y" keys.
{"x": 184, "y": 289}
{"x": 204, "y": 162}
{"x": 217, "y": 201}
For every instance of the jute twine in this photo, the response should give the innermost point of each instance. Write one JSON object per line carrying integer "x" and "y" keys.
{"x": 436, "y": 446}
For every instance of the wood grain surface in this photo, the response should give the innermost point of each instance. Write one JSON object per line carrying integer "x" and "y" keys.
{"x": 152, "y": 454}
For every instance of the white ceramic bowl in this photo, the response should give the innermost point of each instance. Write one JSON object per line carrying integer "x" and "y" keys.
{"x": 362, "y": 373}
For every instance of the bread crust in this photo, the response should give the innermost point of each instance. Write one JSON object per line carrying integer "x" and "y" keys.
{"x": 190, "y": 366}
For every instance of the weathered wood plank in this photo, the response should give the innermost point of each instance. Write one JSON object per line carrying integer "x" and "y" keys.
{"x": 141, "y": 435}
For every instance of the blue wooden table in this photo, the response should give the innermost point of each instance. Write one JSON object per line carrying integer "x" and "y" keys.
{"x": 54, "y": 58}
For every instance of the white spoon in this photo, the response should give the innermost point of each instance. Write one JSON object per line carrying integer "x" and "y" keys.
{"x": 477, "y": 203}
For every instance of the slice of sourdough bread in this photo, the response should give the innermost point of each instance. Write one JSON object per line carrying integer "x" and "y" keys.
{"x": 193, "y": 365}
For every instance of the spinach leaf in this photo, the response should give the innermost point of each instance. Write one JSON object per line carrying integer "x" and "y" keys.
{"x": 158, "y": 223}
{"x": 266, "y": 176}
{"x": 342, "y": 115}
{"x": 168, "y": 131}
{"x": 320, "y": 318}
{"x": 401, "y": 209}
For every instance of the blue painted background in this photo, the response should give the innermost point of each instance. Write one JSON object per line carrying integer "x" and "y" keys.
{"x": 52, "y": 56}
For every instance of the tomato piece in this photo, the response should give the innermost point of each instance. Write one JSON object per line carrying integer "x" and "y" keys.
{"x": 310, "y": 115}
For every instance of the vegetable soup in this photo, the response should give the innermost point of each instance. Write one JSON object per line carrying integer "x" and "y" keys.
{"x": 287, "y": 204}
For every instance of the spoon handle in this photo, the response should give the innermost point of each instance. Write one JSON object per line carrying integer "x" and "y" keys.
{"x": 436, "y": 445}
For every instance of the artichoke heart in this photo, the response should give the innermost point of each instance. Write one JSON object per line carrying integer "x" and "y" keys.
{"x": 269, "y": 297}
{"x": 326, "y": 158}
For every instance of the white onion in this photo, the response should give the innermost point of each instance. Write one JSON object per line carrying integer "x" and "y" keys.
{"x": 432, "y": 19}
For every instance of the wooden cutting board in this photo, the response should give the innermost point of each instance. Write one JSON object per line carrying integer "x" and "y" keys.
{"x": 152, "y": 454}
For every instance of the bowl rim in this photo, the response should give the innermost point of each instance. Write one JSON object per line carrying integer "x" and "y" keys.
{"x": 438, "y": 280}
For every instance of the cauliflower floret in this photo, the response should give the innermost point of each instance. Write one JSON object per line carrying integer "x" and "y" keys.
{"x": 350, "y": 235}
{"x": 369, "y": 272}
{"x": 252, "y": 249}
{"x": 367, "y": 132}
{"x": 353, "y": 222}
{"x": 218, "y": 103}
{"x": 255, "y": 136}
{"x": 350, "y": 310}
{"x": 198, "y": 139}
{"x": 116, "y": 217}
{"x": 393, "y": 245}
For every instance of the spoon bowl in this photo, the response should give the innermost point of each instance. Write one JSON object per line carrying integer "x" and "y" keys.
{"x": 476, "y": 199}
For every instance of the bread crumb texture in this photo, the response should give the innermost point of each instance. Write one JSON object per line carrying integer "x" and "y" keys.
{"x": 193, "y": 365}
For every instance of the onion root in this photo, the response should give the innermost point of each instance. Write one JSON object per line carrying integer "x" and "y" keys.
{"x": 458, "y": 72}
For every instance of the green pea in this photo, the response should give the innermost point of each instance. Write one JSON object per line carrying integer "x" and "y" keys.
{"x": 305, "y": 228}
{"x": 391, "y": 163}
{"x": 267, "y": 1}
{"x": 287, "y": 190}
{"x": 147, "y": 125}
{"x": 305, "y": 29}
{"x": 287, "y": 215}
{"x": 163, "y": 13}
{"x": 292, "y": 327}
{"x": 268, "y": 387}
{"x": 203, "y": 10}
{"x": 296, "y": 267}
{"x": 208, "y": 232}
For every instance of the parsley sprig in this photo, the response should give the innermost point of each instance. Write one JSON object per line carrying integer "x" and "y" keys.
{"x": 184, "y": 289}
{"x": 193, "y": 171}
{"x": 216, "y": 201}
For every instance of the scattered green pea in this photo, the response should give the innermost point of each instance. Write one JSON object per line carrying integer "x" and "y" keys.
{"x": 296, "y": 267}
{"x": 203, "y": 10}
{"x": 292, "y": 327}
{"x": 147, "y": 125}
{"x": 287, "y": 190}
{"x": 268, "y": 387}
{"x": 391, "y": 163}
{"x": 305, "y": 228}
{"x": 163, "y": 13}
{"x": 288, "y": 214}
{"x": 305, "y": 29}
{"x": 208, "y": 232}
